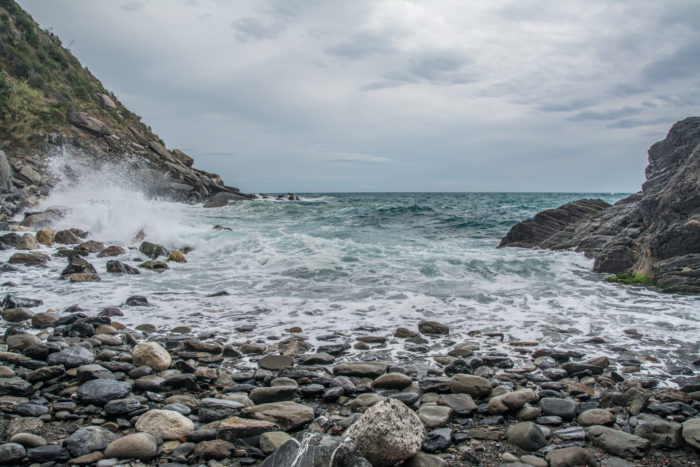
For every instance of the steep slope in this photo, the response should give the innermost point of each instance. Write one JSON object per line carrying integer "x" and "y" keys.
{"x": 49, "y": 102}
{"x": 655, "y": 232}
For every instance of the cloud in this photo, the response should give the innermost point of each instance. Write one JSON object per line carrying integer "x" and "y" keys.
{"x": 570, "y": 105}
{"x": 133, "y": 5}
{"x": 611, "y": 114}
{"x": 250, "y": 29}
{"x": 361, "y": 45}
{"x": 354, "y": 158}
{"x": 682, "y": 63}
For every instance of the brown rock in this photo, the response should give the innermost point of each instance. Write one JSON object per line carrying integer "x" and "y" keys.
{"x": 45, "y": 236}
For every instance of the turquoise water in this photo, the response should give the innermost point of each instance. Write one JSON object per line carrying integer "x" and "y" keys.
{"x": 349, "y": 264}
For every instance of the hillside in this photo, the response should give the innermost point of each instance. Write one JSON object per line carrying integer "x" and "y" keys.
{"x": 49, "y": 102}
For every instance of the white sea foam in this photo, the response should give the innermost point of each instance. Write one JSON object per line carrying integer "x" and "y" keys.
{"x": 350, "y": 265}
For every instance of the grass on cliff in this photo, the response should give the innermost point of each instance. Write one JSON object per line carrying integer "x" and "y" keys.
{"x": 631, "y": 279}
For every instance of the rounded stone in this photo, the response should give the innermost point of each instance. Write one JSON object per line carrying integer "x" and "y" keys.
{"x": 135, "y": 446}
{"x": 165, "y": 424}
{"x": 475, "y": 386}
{"x": 387, "y": 433}
{"x": 392, "y": 381}
{"x": 151, "y": 354}
{"x": 595, "y": 417}
{"x": 11, "y": 453}
{"x": 101, "y": 391}
{"x": 526, "y": 435}
{"x": 28, "y": 440}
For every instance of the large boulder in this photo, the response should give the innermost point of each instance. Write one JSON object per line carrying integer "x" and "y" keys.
{"x": 655, "y": 233}
{"x": 88, "y": 122}
{"x": 387, "y": 433}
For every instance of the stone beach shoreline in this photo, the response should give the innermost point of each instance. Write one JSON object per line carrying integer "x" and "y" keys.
{"x": 77, "y": 387}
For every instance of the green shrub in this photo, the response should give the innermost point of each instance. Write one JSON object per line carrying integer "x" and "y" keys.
{"x": 22, "y": 114}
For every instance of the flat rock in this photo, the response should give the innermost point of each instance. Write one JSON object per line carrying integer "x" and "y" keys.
{"x": 101, "y": 391}
{"x": 288, "y": 415}
{"x": 275, "y": 362}
{"x": 661, "y": 433}
{"x": 392, "y": 381}
{"x": 273, "y": 394}
{"x": 271, "y": 440}
{"x": 361, "y": 369}
{"x": 241, "y": 428}
{"x": 433, "y": 328}
{"x": 211, "y": 409}
{"x": 564, "y": 408}
{"x": 71, "y": 357}
{"x": 691, "y": 432}
{"x": 511, "y": 401}
{"x": 11, "y": 453}
{"x": 617, "y": 442}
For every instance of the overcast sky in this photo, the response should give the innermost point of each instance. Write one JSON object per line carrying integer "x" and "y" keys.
{"x": 395, "y": 95}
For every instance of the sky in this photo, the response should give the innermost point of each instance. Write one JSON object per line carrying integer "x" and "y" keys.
{"x": 397, "y": 95}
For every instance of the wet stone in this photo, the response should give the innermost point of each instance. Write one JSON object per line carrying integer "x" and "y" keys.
{"x": 437, "y": 440}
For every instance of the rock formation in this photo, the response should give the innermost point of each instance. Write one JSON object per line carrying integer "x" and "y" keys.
{"x": 655, "y": 232}
{"x": 68, "y": 110}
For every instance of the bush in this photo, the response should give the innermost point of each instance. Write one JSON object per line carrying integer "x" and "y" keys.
{"x": 22, "y": 114}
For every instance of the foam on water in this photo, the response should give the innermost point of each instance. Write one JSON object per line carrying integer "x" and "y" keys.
{"x": 356, "y": 264}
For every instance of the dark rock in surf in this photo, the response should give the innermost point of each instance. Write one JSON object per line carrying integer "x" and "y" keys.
{"x": 655, "y": 233}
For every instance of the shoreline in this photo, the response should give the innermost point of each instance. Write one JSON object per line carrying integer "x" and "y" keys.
{"x": 324, "y": 386}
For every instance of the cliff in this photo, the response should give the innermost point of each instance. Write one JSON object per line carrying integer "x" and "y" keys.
{"x": 655, "y": 232}
{"x": 49, "y": 102}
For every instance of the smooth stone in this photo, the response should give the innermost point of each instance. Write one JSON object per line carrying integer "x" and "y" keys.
{"x": 89, "y": 439}
{"x": 528, "y": 412}
{"x": 387, "y": 433}
{"x": 288, "y": 415}
{"x": 151, "y": 354}
{"x": 595, "y": 417}
{"x": 511, "y": 401}
{"x": 16, "y": 315}
{"x": 475, "y": 386}
{"x": 434, "y": 416}
{"x": 87, "y": 459}
{"x": 526, "y": 435}
{"x": 21, "y": 341}
{"x": 361, "y": 369}
{"x": 275, "y": 362}
{"x": 141, "y": 446}
{"x": 461, "y": 404}
{"x": 691, "y": 432}
{"x": 392, "y": 381}
{"x": 316, "y": 359}
{"x": 271, "y": 440}
{"x": 164, "y": 424}
{"x": 28, "y": 440}
{"x": 564, "y": 408}
{"x": 28, "y": 409}
{"x": 48, "y": 453}
{"x": 273, "y": 394}
{"x": 101, "y": 391}
{"x": 617, "y": 442}
{"x": 315, "y": 449}
{"x": 534, "y": 461}
{"x": 571, "y": 456}
{"x": 14, "y": 385}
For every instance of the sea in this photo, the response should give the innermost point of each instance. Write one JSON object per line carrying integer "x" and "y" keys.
{"x": 342, "y": 265}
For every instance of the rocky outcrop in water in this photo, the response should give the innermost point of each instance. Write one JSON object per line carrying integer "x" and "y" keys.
{"x": 655, "y": 232}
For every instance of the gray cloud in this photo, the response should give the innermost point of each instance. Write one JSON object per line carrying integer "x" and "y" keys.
{"x": 361, "y": 45}
{"x": 683, "y": 63}
{"x": 610, "y": 114}
{"x": 569, "y": 106}
{"x": 250, "y": 29}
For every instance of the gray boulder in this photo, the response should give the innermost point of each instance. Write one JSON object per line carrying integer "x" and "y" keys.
{"x": 101, "y": 391}
{"x": 387, "y": 433}
{"x": 89, "y": 123}
{"x": 691, "y": 432}
{"x": 88, "y": 439}
{"x": 71, "y": 357}
{"x": 660, "y": 433}
{"x": 526, "y": 435}
{"x": 5, "y": 174}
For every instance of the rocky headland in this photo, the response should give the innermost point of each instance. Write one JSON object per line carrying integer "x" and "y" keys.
{"x": 653, "y": 234}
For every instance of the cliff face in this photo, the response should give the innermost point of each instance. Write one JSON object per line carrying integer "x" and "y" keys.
{"x": 49, "y": 101}
{"x": 655, "y": 232}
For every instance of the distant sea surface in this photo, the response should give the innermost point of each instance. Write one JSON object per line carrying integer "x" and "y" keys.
{"x": 364, "y": 264}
